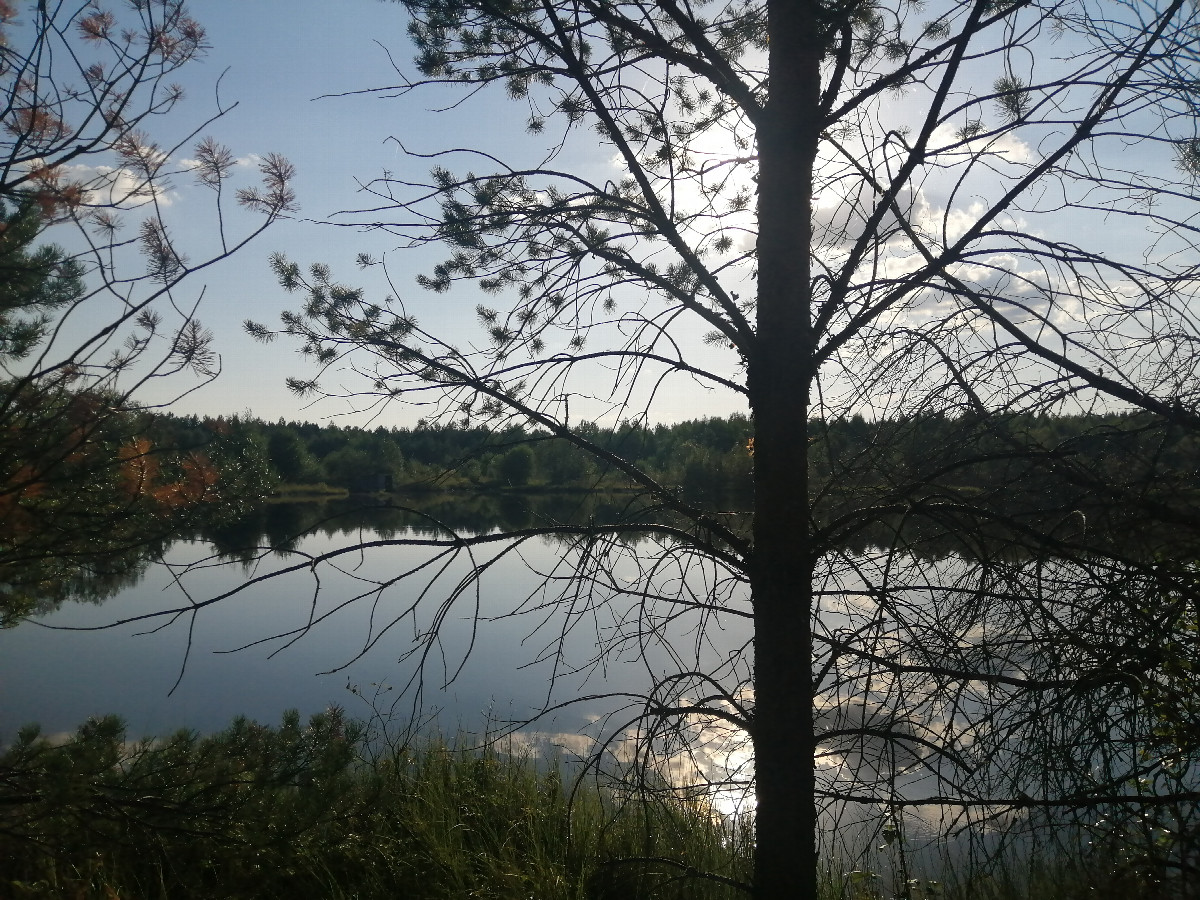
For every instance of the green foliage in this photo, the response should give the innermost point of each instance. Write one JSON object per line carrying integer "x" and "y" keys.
{"x": 1152, "y": 843}
{"x": 34, "y": 282}
{"x": 322, "y": 810}
{"x": 89, "y": 491}
{"x": 290, "y": 458}
{"x": 516, "y": 466}
{"x": 710, "y": 461}
{"x": 307, "y": 811}
{"x": 61, "y": 497}
{"x": 1170, "y": 696}
{"x": 715, "y": 451}
{"x": 85, "y": 493}
{"x": 186, "y": 811}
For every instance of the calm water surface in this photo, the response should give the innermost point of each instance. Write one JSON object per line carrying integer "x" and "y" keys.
{"x": 299, "y": 640}
{"x": 59, "y": 678}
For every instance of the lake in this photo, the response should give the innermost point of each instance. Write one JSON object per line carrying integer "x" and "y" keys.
{"x": 522, "y": 638}
{"x": 299, "y": 640}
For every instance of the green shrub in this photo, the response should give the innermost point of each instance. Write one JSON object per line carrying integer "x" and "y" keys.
{"x": 300, "y": 811}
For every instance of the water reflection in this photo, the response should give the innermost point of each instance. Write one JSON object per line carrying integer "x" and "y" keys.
{"x": 937, "y": 661}
{"x": 306, "y": 641}
{"x": 281, "y": 525}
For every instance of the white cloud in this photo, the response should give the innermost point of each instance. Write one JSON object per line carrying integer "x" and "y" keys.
{"x": 249, "y": 160}
{"x": 1006, "y": 146}
{"x": 120, "y": 187}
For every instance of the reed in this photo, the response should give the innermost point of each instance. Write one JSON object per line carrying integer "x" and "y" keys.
{"x": 304, "y": 811}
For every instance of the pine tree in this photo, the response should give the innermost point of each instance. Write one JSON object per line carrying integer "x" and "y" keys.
{"x": 836, "y": 209}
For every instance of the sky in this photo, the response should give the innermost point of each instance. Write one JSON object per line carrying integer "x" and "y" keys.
{"x": 296, "y": 78}
{"x": 275, "y": 60}
{"x": 277, "y": 67}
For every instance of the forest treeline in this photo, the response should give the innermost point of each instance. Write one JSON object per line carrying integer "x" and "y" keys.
{"x": 157, "y": 477}
{"x": 701, "y": 456}
{"x": 712, "y": 459}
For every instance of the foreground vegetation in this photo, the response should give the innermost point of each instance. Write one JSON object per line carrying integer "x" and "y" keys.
{"x": 321, "y": 810}
{"x": 300, "y": 811}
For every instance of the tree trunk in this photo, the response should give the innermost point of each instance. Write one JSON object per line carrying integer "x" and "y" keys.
{"x": 780, "y": 374}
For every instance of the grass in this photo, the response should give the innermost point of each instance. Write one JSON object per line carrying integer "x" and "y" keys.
{"x": 298, "y": 811}
{"x": 317, "y": 810}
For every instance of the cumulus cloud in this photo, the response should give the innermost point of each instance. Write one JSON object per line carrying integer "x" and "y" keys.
{"x": 121, "y": 187}
{"x": 1007, "y": 147}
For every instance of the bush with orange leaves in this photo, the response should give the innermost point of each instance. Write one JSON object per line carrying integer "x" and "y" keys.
{"x": 87, "y": 498}
{"x": 84, "y": 494}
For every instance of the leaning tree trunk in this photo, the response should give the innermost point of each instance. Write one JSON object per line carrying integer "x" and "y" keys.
{"x": 780, "y": 374}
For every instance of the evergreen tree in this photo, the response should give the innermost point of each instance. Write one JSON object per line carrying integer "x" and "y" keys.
{"x": 83, "y": 491}
{"x": 35, "y": 281}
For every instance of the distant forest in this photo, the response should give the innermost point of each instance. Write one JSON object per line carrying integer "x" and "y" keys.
{"x": 700, "y": 456}
{"x": 925, "y": 479}
{"x": 706, "y": 460}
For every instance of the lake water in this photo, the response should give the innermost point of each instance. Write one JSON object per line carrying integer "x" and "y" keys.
{"x": 301, "y": 639}
{"x": 522, "y": 638}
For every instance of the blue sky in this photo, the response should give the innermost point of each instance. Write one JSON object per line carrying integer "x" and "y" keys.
{"x": 280, "y": 63}
{"x": 274, "y": 60}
